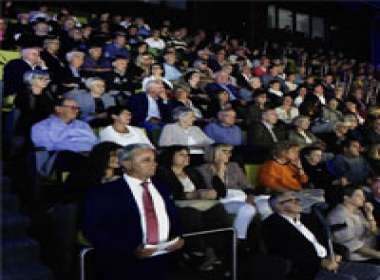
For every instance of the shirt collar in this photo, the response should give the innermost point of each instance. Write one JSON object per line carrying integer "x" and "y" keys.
{"x": 134, "y": 180}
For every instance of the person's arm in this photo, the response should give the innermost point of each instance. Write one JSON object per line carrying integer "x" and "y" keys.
{"x": 368, "y": 252}
{"x": 40, "y": 136}
{"x": 166, "y": 137}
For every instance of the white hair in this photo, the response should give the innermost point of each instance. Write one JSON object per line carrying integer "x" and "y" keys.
{"x": 72, "y": 54}
{"x": 90, "y": 81}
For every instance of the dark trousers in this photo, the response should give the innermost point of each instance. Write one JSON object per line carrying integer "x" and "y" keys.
{"x": 195, "y": 220}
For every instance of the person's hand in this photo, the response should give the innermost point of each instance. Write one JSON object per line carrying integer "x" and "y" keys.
{"x": 176, "y": 246}
{"x": 344, "y": 181}
{"x": 368, "y": 209}
{"x": 163, "y": 95}
{"x": 142, "y": 252}
{"x": 250, "y": 199}
{"x": 154, "y": 120}
{"x": 330, "y": 265}
{"x": 338, "y": 258}
{"x": 101, "y": 115}
{"x": 41, "y": 63}
{"x": 207, "y": 194}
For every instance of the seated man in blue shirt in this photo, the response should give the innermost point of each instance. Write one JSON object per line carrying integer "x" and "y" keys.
{"x": 118, "y": 46}
{"x": 64, "y": 136}
{"x": 172, "y": 73}
{"x": 224, "y": 130}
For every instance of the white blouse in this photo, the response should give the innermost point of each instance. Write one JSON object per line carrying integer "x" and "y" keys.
{"x": 134, "y": 136}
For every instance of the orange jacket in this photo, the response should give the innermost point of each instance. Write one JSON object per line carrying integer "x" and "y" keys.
{"x": 274, "y": 174}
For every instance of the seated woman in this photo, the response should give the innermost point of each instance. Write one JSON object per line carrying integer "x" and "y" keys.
{"x": 301, "y": 134}
{"x": 226, "y": 178}
{"x": 187, "y": 184}
{"x": 35, "y": 103}
{"x": 121, "y": 132}
{"x": 287, "y": 112}
{"x": 93, "y": 103}
{"x": 101, "y": 166}
{"x": 285, "y": 171}
{"x": 184, "y": 133}
{"x": 355, "y": 225}
{"x": 182, "y": 98}
{"x": 156, "y": 73}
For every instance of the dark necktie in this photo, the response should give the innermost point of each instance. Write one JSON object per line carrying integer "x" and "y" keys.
{"x": 150, "y": 216}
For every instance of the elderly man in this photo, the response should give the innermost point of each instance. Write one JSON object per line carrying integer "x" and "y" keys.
{"x": 151, "y": 109}
{"x": 286, "y": 235}
{"x": 126, "y": 219}
{"x": 64, "y": 134}
{"x": 225, "y": 130}
{"x": 15, "y": 69}
{"x": 222, "y": 82}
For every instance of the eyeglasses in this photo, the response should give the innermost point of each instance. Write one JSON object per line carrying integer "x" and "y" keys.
{"x": 71, "y": 107}
{"x": 293, "y": 200}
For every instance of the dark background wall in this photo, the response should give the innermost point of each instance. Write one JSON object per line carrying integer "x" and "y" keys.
{"x": 352, "y": 27}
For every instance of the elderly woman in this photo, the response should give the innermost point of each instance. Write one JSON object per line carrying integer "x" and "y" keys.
{"x": 156, "y": 73}
{"x": 301, "y": 134}
{"x": 35, "y": 103}
{"x": 93, "y": 103}
{"x": 285, "y": 171}
{"x": 72, "y": 76}
{"x": 287, "y": 112}
{"x": 52, "y": 60}
{"x": 355, "y": 225}
{"x": 181, "y": 98}
{"x": 188, "y": 188}
{"x": 184, "y": 133}
{"x": 229, "y": 183}
{"x": 121, "y": 132}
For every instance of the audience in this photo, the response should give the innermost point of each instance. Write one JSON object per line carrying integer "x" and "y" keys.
{"x": 148, "y": 75}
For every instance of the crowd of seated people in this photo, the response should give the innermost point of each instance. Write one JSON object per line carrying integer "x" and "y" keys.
{"x": 106, "y": 98}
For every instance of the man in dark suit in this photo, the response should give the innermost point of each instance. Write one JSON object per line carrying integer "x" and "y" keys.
{"x": 15, "y": 69}
{"x": 263, "y": 135}
{"x": 286, "y": 236}
{"x": 151, "y": 110}
{"x": 126, "y": 218}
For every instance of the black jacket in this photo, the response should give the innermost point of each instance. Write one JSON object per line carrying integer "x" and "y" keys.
{"x": 282, "y": 239}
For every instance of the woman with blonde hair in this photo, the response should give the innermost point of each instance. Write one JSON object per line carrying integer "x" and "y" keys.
{"x": 230, "y": 184}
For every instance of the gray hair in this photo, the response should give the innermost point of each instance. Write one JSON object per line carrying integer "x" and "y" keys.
{"x": 151, "y": 83}
{"x": 89, "y": 82}
{"x": 127, "y": 152}
{"x": 72, "y": 54}
{"x": 180, "y": 111}
{"x": 32, "y": 75}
